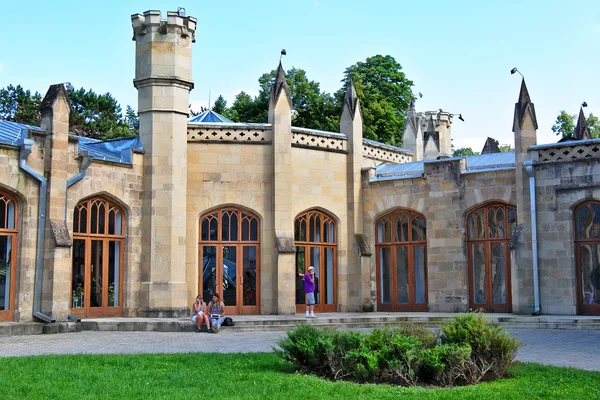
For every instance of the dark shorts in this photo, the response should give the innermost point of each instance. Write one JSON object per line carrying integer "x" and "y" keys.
{"x": 310, "y": 299}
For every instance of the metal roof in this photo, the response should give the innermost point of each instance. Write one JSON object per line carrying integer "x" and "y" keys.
{"x": 10, "y": 132}
{"x": 115, "y": 150}
{"x": 480, "y": 163}
{"x": 209, "y": 116}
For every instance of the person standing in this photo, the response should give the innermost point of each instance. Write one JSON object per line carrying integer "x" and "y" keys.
{"x": 309, "y": 289}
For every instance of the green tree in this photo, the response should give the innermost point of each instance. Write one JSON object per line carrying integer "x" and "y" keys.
{"x": 20, "y": 105}
{"x": 316, "y": 109}
{"x": 564, "y": 125}
{"x": 220, "y": 105}
{"x": 242, "y": 109}
{"x": 506, "y": 148}
{"x": 464, "y": 151}
{"x": 384, "y": 93}
{"x": 132, "y": 119}
{"x": 97, "y": 116}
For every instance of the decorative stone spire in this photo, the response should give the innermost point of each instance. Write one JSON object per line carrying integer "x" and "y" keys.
{"x": 52, "y": 95}
{"x": 431, "y": 134}
{"x": 523, "y": 108}
{"x": 582, "y": 131}
{"x": 279, "y": 86}
{"x": 351, "y": 99}
{"x": 491, "y": 146}
{"x": 411, "y": 117}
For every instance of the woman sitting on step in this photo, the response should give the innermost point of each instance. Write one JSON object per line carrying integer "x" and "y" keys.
{"x": 216, "y": 310}
{"x": 199, "y": 314}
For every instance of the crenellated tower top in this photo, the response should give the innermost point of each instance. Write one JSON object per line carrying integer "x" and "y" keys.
{"x": 163, "y": 49}
{"x": 152, "y": 22}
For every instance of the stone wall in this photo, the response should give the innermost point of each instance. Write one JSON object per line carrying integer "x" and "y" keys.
{"x": 444, "y": 196}
{"x": 560, "y": 188}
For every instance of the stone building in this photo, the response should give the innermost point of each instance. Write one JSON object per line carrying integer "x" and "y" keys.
{"x": 138, "y": 227}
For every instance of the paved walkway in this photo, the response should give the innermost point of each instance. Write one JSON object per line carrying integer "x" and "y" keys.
{"x": 565, "y": 348}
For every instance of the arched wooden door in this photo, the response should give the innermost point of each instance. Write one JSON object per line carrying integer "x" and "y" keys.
{"x": 489, "y": 229}
{"x": 8, "y": 251}
{"x": 316, "y": 245}
{"x": 587, "y": 247}
{"x": 401, "y": 246}
{"x": 229, "y": 253}
{"x": 97, "y": 264}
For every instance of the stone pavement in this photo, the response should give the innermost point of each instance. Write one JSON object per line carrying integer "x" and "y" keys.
{"x": 565, "y": 348}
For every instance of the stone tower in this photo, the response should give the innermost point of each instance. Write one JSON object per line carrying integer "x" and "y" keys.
{"x": 163, "y": 78}
{"x": 280, "y": 118}
{"x": 524, "y": 128}
{"x": 427, "y": 134}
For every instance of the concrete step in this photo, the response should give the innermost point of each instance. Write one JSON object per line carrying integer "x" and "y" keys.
{"x": 288, "y": 322}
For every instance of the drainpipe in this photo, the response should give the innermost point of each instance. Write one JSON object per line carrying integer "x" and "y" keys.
{"x": 86, "y": 160}
{"x": 534, "y": 244}
{"x": 39, "y": 256}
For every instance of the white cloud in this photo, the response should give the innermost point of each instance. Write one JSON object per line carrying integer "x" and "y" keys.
{"x": 196, "y": 105}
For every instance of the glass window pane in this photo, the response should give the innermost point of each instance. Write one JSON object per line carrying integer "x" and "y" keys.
{"x": 229, "y": 275}
{"x": 249, "y": 263}
{"x": 96, "y": 274}
{"x": 114, "y": 272}
{"x": 496, "y": 222}
{"x": 498, "y": 274}
{"x": 78, "y": 273}
{"x": 3, "y": 212}
{"x": 254, "y": 229}
{"x": 209, "y": 271}
{"x": 225, "y": 226}
{"x": 315, "y": 261}
{"x": 94, "y": 218}
{"x": 420, "y": 275}
{"x": 401, "y": 227}
{"x": 329, "y": 276}
{"x": 478, "y": 270}
{"x": 300, "y": 269}
{"x": 590, "y": 273}
{"x": 588, "y": 221}
{"x": 119, "y": 223}
{"x": 5, "y": 271}
{"x": 402, "y": 274}
{"x": 477, "y": 225}
{"x": 385, "y": 275}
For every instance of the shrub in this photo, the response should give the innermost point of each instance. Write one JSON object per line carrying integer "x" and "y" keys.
{"x": 385, "y": 355}
{"x": 492, "y": 351}
{"x": 426, "y": 336}
{"x": 308, "y": 348}
{"x": 446, "y": 364}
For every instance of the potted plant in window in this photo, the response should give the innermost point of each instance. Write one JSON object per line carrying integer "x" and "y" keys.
{"x": 77, "y": 296}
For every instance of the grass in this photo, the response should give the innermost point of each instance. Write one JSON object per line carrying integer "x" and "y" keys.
{"x": 250, "y": 376}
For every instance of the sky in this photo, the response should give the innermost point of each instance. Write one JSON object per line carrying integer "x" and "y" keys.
{"x": 458, "y": 54}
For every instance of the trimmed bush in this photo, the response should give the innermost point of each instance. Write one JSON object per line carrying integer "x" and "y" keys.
{"x": 469, "y": 349}
{"x": 446, "y": 364}
{"x": 492, "y": 351}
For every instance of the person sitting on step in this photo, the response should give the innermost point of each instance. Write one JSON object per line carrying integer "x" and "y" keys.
{"x": 199, "y": 314}
{"x": 216, "y": 310}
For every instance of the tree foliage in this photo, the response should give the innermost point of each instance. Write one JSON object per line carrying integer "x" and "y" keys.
{"x": 97, "y": 116}
{"x": 384, "y": 93}
{"x": 464, "y": 151}
{"x": 220, "y": 105}
{"x": 382, "y": 88}
{"x": 20, "y": 105}
{"x": 565, "y": 123}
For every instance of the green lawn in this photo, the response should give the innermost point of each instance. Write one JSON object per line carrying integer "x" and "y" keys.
{"x": 250, "y": 376}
